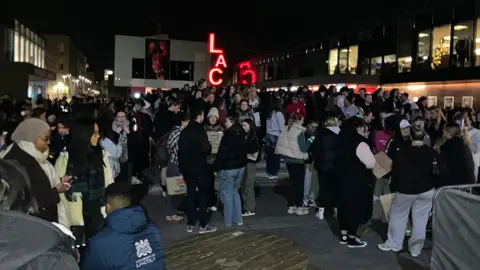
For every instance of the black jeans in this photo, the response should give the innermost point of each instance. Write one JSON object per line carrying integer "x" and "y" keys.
{"x": 212, "y": 196}
{"x": 201, "y": 183}
{"x": 346, "y": 223}
{"x": 296, "y": 172}
{"x": 326, "y": 190}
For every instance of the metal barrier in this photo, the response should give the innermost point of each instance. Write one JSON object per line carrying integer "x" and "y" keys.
{"x": 456, "y": 228}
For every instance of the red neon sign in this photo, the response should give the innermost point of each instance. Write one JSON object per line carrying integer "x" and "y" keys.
{"x": 220, "y": 62}
{"x": 247, "y": 74}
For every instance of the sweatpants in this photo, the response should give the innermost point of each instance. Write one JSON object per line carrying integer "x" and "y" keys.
{"x": 421, "y": 205}
{"x": 296, "y": 172}
{"x": 248, "y": 187}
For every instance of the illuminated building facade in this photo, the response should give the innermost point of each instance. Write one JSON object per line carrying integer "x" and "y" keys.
{"x": 22, "y": 64}
{"x": 434, "y": 52}
{"x": 143, "y": 64}
{"x": 70, "y": 65}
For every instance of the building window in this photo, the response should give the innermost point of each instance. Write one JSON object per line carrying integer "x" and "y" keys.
{"x": 463, "y": 44}
{"x": 22, "y": 49}
{"x": 343, "y": 60}
{"x": 181, "y": 71}
{"x": 423, "y": 52}
{"x": 332, "y": 61}
{"x": 441, "y": 46}
{"x": 353, "y": 59}
{"x": 390, "y": 63}
{"x": 31, "y": 59}
{"x": 60, "y": 66}
{"x": 376, "y": 65}
{"x": 61, "y": 48}
{"x": 138, "y": 68}
{"x": 404, "y": 53}
{"x": 16, "y": 47}
{"x": 477, "y": 44}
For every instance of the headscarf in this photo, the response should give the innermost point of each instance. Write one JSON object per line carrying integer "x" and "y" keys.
{"x": 29, "y": 130}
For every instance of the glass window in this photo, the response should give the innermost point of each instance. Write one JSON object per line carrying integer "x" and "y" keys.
{"x": 376, "y": 65}
{"x": 343, "y": 60}
{"x": 42, "y": 58}
{"x": 353, "y": 59}
{"x": 365, "y": 66}
{"x": 37, "y": 55}
{"x": 441, "y": 46}
{"x": 22, "y": 49}
{"x": 332, "y": 61}
{"x": 477, "y": 44}
{"x": 390, "y": 63}
{"x": 423, "y": 53}
{"x": 16, "y": 47}
{"x": 463, "y": 44}
{"x": 405, "y": 42}
{"x": 32, "y": 58}
{"x": 138, "y": 68}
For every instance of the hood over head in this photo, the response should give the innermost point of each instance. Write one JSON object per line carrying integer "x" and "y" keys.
{"x": 129, "y": 220}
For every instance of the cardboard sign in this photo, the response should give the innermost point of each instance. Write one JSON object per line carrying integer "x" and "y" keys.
{"x": 383, "y": 166}
{"x": 386, "y": 201}
{"x": 176, "y": 185}
{"x": 214, "y": 137}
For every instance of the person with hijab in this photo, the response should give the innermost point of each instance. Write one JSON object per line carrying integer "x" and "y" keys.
{"x": 30, "y": 148}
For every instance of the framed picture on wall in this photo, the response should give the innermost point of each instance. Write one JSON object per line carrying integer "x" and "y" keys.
{"x": 431, "y": 101}
{"x": 448, "y": 102}
{"x": 467, "y": 102}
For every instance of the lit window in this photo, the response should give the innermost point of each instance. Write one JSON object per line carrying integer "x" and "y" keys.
{"x": 22, "y": 49}
{"x": 16, "y": 47}
{"x": 332, "y": 61}
{"x": 441, "y": 46}
{"x": 353, "y": 59}
{"x": 423, "y": 52}
{"x": 477, "y": 43}
{"x": 343, "y": 60}
{"x": 376, "y": 65}
{"x": 31, "y": 59}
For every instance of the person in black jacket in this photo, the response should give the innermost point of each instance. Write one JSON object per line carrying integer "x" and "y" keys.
{"x": 193, "y": 150}
{"x": 248, "y": 190}
{"x": 166, "y": 119}
{"x": 457, "y": 157}
{"x": 230, "y": 162}
{"x": 323, "y": 152}
{"x": 416, "y": 171}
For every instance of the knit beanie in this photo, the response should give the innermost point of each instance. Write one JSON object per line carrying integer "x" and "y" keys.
{"x": 213, "y": 112}
{"x": 29, "y": 130}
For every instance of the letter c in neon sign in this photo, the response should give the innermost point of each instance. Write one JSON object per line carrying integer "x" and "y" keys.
{"x": 211, "y": 76}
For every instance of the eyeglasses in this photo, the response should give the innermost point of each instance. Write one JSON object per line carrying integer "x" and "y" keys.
{"x": 45, "y": 138}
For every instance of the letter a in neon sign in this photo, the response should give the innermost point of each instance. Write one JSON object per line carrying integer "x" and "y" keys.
{"x": 221, "y": 61}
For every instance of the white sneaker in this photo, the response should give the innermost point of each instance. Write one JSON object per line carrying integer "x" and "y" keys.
{"x": 292, "y": 210}
{"x": 385, "y": 247}
{"x": 301, "y": 211}
{"x": 320, "y": 213}
{"x": 135, "y": 181}
{"x": 212, "y": 209}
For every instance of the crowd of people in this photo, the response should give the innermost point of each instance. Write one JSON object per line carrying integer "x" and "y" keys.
{"x": 70, "y": 169}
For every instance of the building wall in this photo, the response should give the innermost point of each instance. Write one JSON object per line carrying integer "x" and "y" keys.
{"x": 69, "y": 63}
{"x": 129, "y": 47}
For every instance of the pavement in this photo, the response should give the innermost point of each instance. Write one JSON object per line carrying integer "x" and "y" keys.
{"x": 316, "y": 237}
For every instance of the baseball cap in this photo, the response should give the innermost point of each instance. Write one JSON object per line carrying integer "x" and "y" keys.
{"x": 404, "y": 124}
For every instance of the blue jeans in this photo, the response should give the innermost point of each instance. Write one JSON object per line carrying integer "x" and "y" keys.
{"x": 273, "y": 161}
{"x": 232, "y": 205}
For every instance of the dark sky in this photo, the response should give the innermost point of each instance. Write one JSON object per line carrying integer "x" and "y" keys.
{"x": 243, "y": 27}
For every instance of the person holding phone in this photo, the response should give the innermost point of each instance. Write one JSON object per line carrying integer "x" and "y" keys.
{"x": 30, "y": 148}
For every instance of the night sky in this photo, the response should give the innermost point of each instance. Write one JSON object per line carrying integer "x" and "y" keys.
{"x": 243, "y": 27}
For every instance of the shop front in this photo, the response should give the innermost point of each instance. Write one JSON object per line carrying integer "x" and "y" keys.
{"x": 23, "y": 80}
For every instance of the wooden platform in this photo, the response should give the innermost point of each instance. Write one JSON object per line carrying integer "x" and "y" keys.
{"x": 236, "y": 250}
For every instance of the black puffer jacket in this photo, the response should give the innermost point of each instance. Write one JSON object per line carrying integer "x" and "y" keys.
{"x": 32, "y": 243}
{"x": 232, "y": 152}
{"x": 323, "y": 150}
